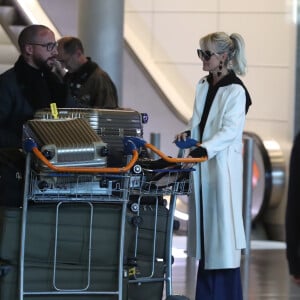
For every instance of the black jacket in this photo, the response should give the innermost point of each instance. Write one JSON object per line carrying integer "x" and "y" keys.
{"x": 293, "y": 211}
{"x": 91, "y": 86}
{"x": 23, "y": 90}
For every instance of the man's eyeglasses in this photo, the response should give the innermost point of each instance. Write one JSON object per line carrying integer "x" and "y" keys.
{"x": 205, "y": 55}
{"x": 48, "y": 46}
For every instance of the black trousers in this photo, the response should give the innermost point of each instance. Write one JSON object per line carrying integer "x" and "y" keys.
{"x": 223, "y": 284}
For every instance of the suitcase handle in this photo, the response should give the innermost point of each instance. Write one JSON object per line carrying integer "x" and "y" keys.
{"x": 141, "y": 143}
{"x": 30, "y": 146}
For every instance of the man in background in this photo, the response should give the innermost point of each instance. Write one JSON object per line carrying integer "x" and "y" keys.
{"x": 90, "y": 86}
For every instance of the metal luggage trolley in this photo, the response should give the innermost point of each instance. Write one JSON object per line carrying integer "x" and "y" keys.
{"x": 61, "y": 186}
{"x": 151, "y": 260}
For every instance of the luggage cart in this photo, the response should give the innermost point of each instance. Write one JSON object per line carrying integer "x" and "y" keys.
{"x": 151, "y": 253}
{"x": 63, "y": 186}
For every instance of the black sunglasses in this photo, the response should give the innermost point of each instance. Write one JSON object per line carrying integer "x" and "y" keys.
{"x": 206, "y": 55}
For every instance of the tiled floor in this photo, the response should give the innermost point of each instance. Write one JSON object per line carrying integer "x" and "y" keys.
{"x": 268, "y": 276}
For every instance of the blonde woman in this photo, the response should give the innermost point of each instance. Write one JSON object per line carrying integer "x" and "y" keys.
{"x": 217, "y": 123}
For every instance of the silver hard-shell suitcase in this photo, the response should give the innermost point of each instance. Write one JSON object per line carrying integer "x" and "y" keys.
{"x": 110, "y": 124}
{"x": 67, "y": 142}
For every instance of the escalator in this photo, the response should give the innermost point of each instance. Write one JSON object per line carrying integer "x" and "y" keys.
{"x": 268, "y": 179}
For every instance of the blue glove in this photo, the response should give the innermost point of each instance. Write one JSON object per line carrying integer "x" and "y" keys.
{"x": 188, "y": 143}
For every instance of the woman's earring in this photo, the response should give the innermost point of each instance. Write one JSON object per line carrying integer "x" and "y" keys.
{"x": 219, "y": 73}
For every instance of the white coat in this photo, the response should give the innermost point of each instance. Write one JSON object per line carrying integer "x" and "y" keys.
{"x": 221, "y": 177}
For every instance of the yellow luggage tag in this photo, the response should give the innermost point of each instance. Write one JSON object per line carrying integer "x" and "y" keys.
{"x": 54, "y": 111}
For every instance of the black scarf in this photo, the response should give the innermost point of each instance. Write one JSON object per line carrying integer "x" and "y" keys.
{"x": 231, "y": 78}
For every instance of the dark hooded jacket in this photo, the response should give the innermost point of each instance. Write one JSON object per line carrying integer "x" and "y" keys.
{"x": 91, "y": 86}
{"x": 292, "y": 222}
{"x": 23, "y": 90}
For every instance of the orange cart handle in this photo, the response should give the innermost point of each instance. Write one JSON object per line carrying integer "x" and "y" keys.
{"x": 141, "y": 143}
{"x": 175, "y": 159}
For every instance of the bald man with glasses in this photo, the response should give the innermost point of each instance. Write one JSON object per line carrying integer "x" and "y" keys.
{"x": 30, "y": 84}
{"x": 26, "y": 87}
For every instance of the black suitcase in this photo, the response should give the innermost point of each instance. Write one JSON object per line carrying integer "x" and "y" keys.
{"x": 72, "y": 250}
{"x": 152, "y": 214}
{"x": 149, "y": 248}
{"x": 110, "y": 124}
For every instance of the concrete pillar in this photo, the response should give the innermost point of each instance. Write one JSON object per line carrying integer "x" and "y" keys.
{"x": 100, "y": 27}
